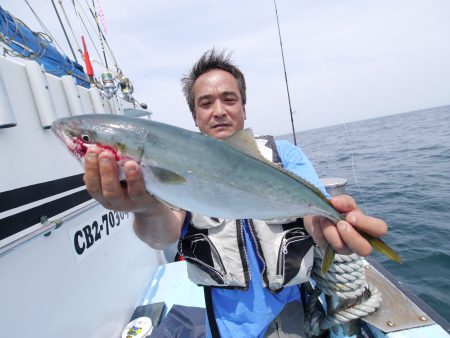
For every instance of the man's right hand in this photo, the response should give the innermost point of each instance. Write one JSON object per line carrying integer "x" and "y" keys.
{"x": 155, "y": 223}
{"x": 102, "y": 182}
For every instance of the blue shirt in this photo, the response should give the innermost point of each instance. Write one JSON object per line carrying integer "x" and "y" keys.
{"x": 249, "y": 313}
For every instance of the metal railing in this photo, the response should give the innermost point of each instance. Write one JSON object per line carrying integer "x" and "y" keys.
{"x": 47, "y": 228}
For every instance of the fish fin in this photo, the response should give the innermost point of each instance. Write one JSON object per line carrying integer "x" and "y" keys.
{"x": 244, "y": 140}
{"x": 165, "y": 175}
{"x": 327, "y": 259}
{"x": 171, "y": 206}
{"x": 382, "y": 247}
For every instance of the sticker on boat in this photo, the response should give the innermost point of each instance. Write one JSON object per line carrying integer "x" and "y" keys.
{"x": 90, "y": 235}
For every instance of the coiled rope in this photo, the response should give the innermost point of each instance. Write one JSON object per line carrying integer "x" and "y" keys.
{"x": 345, "y": 280}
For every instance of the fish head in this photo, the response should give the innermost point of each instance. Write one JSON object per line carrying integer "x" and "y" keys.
{"x": 79, "y": 133}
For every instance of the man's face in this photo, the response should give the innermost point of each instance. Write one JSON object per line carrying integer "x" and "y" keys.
{"x": 219, "y": 112}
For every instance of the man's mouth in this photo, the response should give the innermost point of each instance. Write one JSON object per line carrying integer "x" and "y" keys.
{"x": 221, "y": 125}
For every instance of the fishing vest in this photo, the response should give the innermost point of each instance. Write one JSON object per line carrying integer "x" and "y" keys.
{"x": 216, "y": 255}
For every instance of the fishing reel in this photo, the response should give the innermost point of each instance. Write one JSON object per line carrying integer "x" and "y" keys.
{"x": 126, "y": 88}
{"x": 108, "y": 86}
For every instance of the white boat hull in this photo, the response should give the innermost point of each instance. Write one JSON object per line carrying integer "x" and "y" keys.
{"x": 84, "y": 278}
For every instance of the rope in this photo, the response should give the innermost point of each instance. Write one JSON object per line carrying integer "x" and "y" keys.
{"x": 346, "y": 281}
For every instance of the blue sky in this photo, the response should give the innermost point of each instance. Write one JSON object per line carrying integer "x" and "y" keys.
{"x": 346, "y": 60}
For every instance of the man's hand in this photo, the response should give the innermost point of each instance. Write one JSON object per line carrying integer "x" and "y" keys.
{"x": 343, "y": 236}
{"x": 154, "y": 223}
{"x": 102, "y": 182}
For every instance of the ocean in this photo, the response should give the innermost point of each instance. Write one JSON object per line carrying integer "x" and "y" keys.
{"x": 398, "y": 169}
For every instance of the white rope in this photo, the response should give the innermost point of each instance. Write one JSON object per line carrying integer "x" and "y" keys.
{"x": 345, "y": 280}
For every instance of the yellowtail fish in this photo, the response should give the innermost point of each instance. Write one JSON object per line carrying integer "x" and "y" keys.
{"x": 187, "y": 170}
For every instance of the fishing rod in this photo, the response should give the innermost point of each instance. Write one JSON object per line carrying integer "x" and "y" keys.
{"x": 285, "y": 75}
{"x": 70, "y": 27}
{"x": 87, "y": 60}
{"x": 99, "y": 33}
{"x": 111, "y": 53}
{"x": 64, "y": 30}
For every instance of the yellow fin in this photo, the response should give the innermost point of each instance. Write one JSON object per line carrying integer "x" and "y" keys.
{"x": 382, "y": 247}
{"x": 244, "y": 141}
{"x": 164, "y": 175}
{"x": 327, "y": 259}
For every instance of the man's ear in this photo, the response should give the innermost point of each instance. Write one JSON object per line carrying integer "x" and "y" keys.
{"x": 245, "y": 114}
{"x": 195, "y": 118}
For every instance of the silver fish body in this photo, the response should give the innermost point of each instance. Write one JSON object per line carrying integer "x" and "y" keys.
{"x": 198, "y": 173}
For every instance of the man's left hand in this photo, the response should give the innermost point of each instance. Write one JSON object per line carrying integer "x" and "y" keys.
{"x": 343, "y": 236}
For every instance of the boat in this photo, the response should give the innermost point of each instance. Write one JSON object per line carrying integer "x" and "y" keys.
{"x": 70, "y": 267}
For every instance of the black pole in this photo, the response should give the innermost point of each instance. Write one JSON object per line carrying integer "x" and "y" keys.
{"x": 285, "y": 75}
{"x": 107, "y": 44}
{"x": 64, "y": 30}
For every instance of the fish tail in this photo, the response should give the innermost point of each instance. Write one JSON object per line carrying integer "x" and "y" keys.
{"x": 382, "y": 247}
{"x": 327, "y": 259}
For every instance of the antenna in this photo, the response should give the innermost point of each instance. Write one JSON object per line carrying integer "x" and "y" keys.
{"x": 285, "y": 76}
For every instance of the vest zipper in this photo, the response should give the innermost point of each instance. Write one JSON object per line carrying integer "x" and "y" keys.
{"x": 196, "y": 238}
{"x": 257, "y": 251}
{"x": 209, "y": 268}
{"x": 283, "y": 251}
{"x": 245, "y": 250}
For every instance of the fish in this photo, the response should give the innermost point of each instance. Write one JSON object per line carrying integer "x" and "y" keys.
{"x": 187, "y": 170}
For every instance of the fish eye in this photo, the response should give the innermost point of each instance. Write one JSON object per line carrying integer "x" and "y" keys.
{"x": 85, "y": 137}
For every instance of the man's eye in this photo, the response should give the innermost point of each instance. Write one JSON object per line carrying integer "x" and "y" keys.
{"x": 230, "y": 100}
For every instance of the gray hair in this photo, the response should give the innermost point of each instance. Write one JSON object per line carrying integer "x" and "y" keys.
{"x": 210, "y": 60}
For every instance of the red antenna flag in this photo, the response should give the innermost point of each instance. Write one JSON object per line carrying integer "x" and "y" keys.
{"x": 87, "y": 61}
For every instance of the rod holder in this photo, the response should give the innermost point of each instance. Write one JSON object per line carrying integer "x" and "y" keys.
{"x": 72, "y": 95}
{"x": 7, "y": 118}
{"x": 41, "y": 93}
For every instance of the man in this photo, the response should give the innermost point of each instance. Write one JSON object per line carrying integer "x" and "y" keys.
{"x": 251, "y": 303}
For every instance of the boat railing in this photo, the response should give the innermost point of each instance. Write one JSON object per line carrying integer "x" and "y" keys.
{"x": 47, "y": 227}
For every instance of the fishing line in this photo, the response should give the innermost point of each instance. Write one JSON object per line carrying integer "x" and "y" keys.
{"x": 285, "y": 75}
{"x": 349, "y": 140}
{"x": 47, "y": 32}
{"x": 100, "y": 33}
{"x": 332, "y": 94}
{"x": 111, "y": 53}
{"x": 90, "y": 38}
{"x": 70, "y": 27}
{"x": 64, "y": 30}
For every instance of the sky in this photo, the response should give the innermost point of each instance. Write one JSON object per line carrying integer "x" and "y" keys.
{"x": 346, "y": 60}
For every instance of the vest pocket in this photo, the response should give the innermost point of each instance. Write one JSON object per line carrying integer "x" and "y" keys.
{"x": 199, "y": 250}
{"x": 295, "y": 244}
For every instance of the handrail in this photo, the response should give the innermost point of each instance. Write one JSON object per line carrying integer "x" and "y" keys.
{"x": 46, "y": 228}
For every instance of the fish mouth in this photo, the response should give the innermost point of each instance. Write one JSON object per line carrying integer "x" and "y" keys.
{"x": 73, "y": 143}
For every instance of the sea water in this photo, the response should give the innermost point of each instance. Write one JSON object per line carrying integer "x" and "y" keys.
{"x": 398, "y": 169}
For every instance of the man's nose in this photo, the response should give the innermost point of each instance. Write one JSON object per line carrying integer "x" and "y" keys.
{"x": 219, "y": 109}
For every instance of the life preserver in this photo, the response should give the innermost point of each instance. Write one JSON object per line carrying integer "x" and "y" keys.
{"x": 215, "y": 251}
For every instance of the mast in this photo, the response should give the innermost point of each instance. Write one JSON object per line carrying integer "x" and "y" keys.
{"x": 285, "y": 75}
